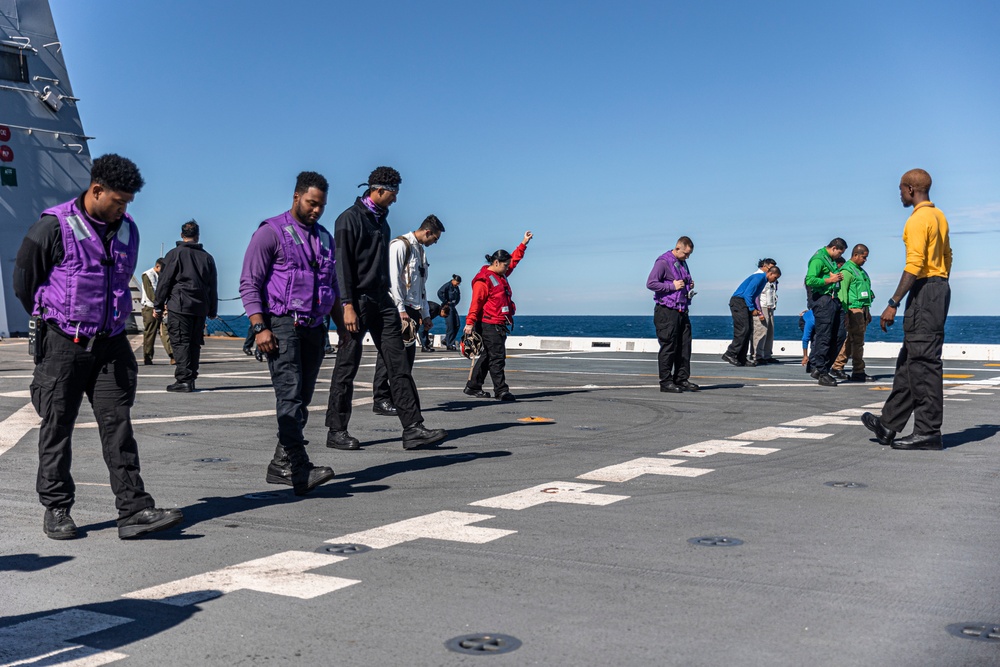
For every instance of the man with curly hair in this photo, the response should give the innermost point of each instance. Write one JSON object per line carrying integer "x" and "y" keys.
{"x": 72, "y": 274}
{"x": 362, "y": 239}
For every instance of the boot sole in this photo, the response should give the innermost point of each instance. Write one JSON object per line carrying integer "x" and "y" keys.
{"x": 413, "y": 444}
{"x": 129, "y": 532}
{"x": 299, "y": 491}
{"x": 276, "y": 479}
{"x": 60, "y": 536}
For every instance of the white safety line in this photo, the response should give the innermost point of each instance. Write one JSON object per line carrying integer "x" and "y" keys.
{"x": 821, "y": 420}
{"x": 45, "y": 640}
{"x": 778, "y": 432}
{"x": 450, "y": 526}
{"x": 712, "y": 447}
{"x": 623, "y": 472}
{"x": 17, "y": 426}
{"x": 553, "y": 492}
{"x": 238, "y": 415}
{"x": 281, "y": 574}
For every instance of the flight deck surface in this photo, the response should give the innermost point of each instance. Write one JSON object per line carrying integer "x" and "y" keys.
{"x": 755, "y": 522}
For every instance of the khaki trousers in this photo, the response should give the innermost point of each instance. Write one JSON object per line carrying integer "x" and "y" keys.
{"x": 854, "y": 346}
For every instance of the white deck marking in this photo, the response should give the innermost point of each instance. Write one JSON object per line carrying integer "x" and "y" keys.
{"x": 23, "y": 393}
{"x": 623, "y": 472}
{"x": 44, "y": 641}
{"x": 281, "y": 574}
{"x": 17, "y": 426}
{"x": 821, "y": 420}
{"x": 450, "y": 526}
{"x": 778, "y": 432}
{"x": 848, "y": 412}
{"x": 553, "y": 492}
{"x": 238, "y": 415}
{"x": 711, "y": 447}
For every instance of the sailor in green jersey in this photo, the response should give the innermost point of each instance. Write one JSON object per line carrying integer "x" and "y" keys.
{"x": 856, "y": 298}
{"x": 823, "y": 281}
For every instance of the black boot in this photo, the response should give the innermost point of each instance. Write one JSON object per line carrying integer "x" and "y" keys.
{"x": 58, "y": 524}
{"x": 341, "y": 440}
{"x": 306, "y": 476}
{"x": 416, "y": 435}
{"x": 279, "y": 470}
{"x": 149, "y": 520}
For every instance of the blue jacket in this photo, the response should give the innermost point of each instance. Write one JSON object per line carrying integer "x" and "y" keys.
{"x": 751, "y": 288}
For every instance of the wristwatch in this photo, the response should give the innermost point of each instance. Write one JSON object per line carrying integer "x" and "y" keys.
{"x": 894, "y": 304}
{"x": 257, "y": 328}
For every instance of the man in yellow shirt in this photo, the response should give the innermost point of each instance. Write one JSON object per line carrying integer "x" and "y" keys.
{"x": 918, "y": 385}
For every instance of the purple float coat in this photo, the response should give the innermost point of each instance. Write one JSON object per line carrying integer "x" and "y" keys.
{"x": 290, "y": 268}
{"x": 88, "y": 292}
{"x": 666, "y": 269}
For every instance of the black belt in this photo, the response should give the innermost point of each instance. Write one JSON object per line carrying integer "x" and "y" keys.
{"x": 299, "y": 320}
{"x": 933, "y": 279}
{"x": 83, "y": 341}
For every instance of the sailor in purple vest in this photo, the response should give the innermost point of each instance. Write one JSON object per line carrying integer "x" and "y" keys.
{"x": 363, "y": 274}
{"x": 72, "y": 274}
{"x": 672, "y": 286}
{"x": 288, "y": 285}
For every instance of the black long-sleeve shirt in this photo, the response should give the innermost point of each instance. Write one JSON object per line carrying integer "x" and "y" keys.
{"x": 42, "y": 249}
{"x": 189, "y": 282}
{"x": 362, "y": 252}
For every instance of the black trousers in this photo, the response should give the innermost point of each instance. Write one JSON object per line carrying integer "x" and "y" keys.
{"x": 918, "y": 385}
{"x": 673, "y": 330}
{"x": 493, "y": 360}
{"x": 380, "y": 383}
{"x": 107, "y": 376}
{"x": 742, "y": 329}
{"x": 294, "y": 369}
{"x": 451, "y": 327}
{"x": 828, "y": 334}
{"x": 377, "y": 314}
{"x": 187, "y": 335}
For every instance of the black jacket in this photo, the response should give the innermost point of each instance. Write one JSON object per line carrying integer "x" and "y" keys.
{"x": 450, "y": 294}
{"x": 362, "y": 252}
{"x": 189, "y": 282}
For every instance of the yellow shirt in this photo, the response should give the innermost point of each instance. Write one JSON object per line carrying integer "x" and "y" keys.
{"x": 928, "y": 251}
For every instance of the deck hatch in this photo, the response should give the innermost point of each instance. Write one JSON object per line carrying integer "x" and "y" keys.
{"x": 715, "y": 541}
{"x": 483, "y": 644}
{"x": 984, "y": 632}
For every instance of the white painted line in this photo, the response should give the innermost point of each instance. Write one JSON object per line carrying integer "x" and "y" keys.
{"x": 24, "y": 393}
{"x": 281, "y": 574}
{"x": 44, "y": 641}
{"x": 17, "y": 426}
{"x": 821, "y": 420}
{"x": 819, "y": 387}
{"x": 238, "y": 415}
{"x": 849, "y": 412}
{"x": 450, "y": 526}
{"x": 778, "y": 432}
{"x": 966, "y": 400}
{"x": 874, "y": 406}
{"x": 711, "y": 447}
{"x": 623, "y": 472}
{"x": 553, "y": 492}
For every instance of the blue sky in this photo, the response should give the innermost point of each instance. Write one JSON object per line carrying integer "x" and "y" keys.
{"x": 608, "y": 129}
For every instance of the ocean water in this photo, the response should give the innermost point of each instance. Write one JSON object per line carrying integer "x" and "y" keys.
{"x": 958, "y": 329}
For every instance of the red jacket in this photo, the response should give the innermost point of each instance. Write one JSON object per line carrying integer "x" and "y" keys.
{"x": 491, "y": 302}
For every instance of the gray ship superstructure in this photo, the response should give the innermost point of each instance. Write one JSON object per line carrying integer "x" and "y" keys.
{"x": 44, "y": 156}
